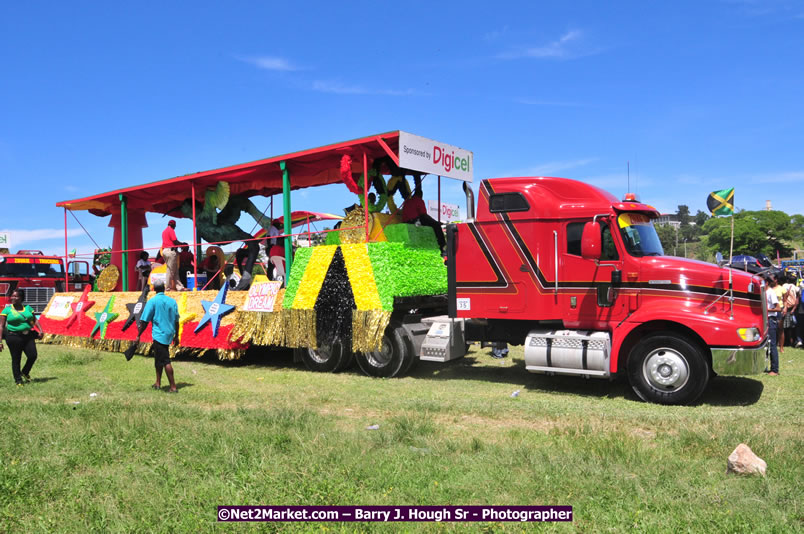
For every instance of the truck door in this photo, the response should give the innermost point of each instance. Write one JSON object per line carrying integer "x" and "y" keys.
{"x": 590, "y": 295}
{"x": 78, "y": 275}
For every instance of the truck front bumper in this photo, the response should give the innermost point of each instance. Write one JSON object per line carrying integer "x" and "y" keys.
{"x": 734, "y": 361}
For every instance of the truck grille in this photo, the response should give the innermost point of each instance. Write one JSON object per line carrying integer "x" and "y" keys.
{"x": 38, "y": 297}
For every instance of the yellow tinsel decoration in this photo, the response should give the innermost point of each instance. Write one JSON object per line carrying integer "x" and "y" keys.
{"x": 368, "y": 327}
{"x": 300, "y": 328}
{"x": 313, "y": 277}
{"x": 185, "y": 316}
{"x": 356, "y": 218}
{"x": 361, "y": 276}
{"x": 259, "y": 328}
{"x": 107, "y": 279}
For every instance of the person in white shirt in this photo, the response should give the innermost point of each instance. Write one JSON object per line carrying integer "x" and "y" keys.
{"x": 773, "y": 323}
{"x": 143, "y": 270}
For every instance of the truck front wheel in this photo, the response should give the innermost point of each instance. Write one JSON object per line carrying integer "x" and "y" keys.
{"x": 393, "y": 358}
{"x": 668, "y": 369}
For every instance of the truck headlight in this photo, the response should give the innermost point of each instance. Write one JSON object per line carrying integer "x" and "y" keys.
{"x": 748, "y": 334}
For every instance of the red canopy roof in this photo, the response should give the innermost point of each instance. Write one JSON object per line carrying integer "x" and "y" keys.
{"x": 308, "y": 168}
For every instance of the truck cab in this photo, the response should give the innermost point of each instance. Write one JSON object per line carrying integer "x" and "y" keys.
{"x": 39, "y": 276}
{"x": 580, "y": 278}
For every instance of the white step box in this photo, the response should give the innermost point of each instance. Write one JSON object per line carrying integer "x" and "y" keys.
{"x": 444, "y": 340}
{"x": 569, "y": 352}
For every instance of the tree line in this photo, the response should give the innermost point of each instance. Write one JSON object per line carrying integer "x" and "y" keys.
{"x": 755, "y": 232}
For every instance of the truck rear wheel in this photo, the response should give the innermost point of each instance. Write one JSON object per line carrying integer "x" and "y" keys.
{"x": 327, "y": 359}
{"x": 393, "y": 359}
{"x": 668, "y": 369}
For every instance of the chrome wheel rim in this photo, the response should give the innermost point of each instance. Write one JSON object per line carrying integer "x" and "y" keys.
{"x": 666, "y": 369}
{"x": 322, "y": 355}
{"x": 382, "y": 357}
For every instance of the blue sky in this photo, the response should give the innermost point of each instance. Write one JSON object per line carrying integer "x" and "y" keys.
{"x": 696, "y": 95}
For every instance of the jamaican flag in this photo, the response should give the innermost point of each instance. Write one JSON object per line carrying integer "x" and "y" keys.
{"x": 721, "y": 202}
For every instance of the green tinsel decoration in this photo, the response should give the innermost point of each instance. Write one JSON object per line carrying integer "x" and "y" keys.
{"x": 411, "y": 235}
{"x": 404, "y": 271}
{"x": 300, "y": 260}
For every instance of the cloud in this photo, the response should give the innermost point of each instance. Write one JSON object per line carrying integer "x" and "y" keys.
{"x": 763, "y": 8}
{"x": 781, "y": 178}
{"x": 70, "y": 188}
{"x": 270, "y": 63}
{"x": 547, "y": 103}
{"x": 18, "y": 237}
{"x": 339, "y": 88}
{"x": 571, "y": 45}
{"x": 551, "y": 168}
{"x": 495, "y": 34}
{"x": 615, "y": 181}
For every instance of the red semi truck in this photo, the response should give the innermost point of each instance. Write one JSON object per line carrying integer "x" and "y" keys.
{"x": 39, "y": 276}
{"x": 580, "y": 279}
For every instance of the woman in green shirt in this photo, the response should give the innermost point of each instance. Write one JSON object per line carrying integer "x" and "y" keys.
{"x": 17, "y": 327}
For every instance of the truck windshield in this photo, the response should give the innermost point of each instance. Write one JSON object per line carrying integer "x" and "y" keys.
{"x": 639, "y": 235}
{"x": 31, "y": 270}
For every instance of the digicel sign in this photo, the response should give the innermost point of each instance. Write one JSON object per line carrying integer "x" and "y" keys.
{"x": 449, "y": 161}
{"x": 426, "y": 155}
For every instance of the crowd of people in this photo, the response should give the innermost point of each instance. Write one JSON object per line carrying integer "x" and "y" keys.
{"x": 179, "y": 260}
{"x": 785, "y": 315}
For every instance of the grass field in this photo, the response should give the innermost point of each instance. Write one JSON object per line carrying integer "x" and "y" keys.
{"x": 266, "y": 431}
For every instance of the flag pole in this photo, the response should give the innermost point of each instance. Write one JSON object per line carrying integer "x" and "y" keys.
{"x": 731, "y": 254}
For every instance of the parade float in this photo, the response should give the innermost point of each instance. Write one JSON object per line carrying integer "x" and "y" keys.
{"x": 353, "y": 298}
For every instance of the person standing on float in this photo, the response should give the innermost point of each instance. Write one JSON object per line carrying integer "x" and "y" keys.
{"x": 170, "y": 254}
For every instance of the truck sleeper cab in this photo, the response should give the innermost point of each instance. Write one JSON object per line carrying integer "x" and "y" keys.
{"x": 580, "y": 278}
{"x": 39, "y": 277}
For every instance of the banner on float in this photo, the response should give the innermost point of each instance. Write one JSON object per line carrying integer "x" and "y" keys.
{"x": 449, "y": 212}
{"x": 261, "y": 296}
{"x": 5, "y": 240}
{"x": 60, "y": 307}
{"x": 433, "y": 157}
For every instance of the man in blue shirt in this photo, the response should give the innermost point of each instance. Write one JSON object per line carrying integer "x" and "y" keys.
{"x": 163, "y": 312}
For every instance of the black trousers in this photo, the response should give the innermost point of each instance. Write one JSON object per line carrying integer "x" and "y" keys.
{"x": 17, "y": 344}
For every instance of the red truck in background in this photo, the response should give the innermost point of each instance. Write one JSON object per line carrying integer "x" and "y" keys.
{"x": 580, "y": 279}
{"x": 39, "y": 276}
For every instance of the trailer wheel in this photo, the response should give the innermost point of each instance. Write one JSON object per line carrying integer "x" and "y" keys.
{"x": 326, "y": 359}
{"x": 668, "y": 369}
{"x": 393, "y": 358}
{"x": 412, "y": 354}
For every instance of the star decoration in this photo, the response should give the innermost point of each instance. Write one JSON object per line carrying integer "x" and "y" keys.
{"x": 135, "y": 309}
{"x": 184, "y": 315}
{"x": 80, "y": 308}
{"x": 103, "y": 319}
{"x": 215, "y": 310}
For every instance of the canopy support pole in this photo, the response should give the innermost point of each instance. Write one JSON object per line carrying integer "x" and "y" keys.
{"x": 288, "y": 223}
{"x": 388, "y": 150}
{"x": 196, "y": 244}
{"x": 66, "y": 261}
{"x": 439, "y": 199}
{"x": 124, "y": 239}
{"x": 365, "y": 193}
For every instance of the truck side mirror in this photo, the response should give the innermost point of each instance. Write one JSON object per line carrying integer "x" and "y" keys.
{"x": 591, "y": 242}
